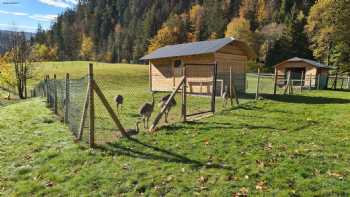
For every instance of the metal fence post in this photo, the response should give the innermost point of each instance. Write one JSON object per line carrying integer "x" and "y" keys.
{"x": 91, "y": 107}
{"x": 66, "y": 100}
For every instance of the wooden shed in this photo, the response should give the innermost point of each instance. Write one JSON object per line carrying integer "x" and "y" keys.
{"x": 166, "y": 65}
{"x": 310, "y": 72}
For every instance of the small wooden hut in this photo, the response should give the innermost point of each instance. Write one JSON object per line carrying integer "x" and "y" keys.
{"x": 166, "y": 65}
{"x": 310, "y": 72}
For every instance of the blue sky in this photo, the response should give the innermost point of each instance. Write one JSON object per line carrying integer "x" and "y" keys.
{"x": 25, "y": 15}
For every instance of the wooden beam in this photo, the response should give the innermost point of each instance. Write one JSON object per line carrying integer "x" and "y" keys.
{"x": 67, "y": 100}
{"x": 184, "y": 96}
{"x": 258, "y": 85}
{"x": 159, "y": 116}
{"x": 109, "y": 108}
{"x": 233, "y": 91}
{"x": 55, "y": 94}
{"x": 84, "y": 114}
{"x": 275, "y": 83}
{"x": 288, "y": 83}
{"x": 91, "y": 107}
{"x": 150, "y": 75}
{"x": 213, "y": 96}
{"x": 301, "y": 81}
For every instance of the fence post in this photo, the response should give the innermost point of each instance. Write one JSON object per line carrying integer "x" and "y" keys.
{"x": 91, "y": 107}
{"x": 302, "y": 81}
{"x": 47, "y": 90}
{"x": 231, "y": 92}
{"x": 275, "y": 83}
{"x": 310, "y": 82}
{"x": 258, "y": 85}
{"x": 55, "y": 94}
{"x": 214, "y": 88}
{"x": 66, "y": 100}
{"x": 342, "y": 82}
{"x": 318, "y": 81}
{"x": 287, "y": 88}
{"x": 184, "y": 99}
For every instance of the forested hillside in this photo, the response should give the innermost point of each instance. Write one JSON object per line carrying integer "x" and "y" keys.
{"x": 124, "y": 30}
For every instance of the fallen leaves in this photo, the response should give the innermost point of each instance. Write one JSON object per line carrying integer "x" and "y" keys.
{"x": 335, "y": 174}
{"x": 243, "y": 192}
{"x": 261, "y": 186}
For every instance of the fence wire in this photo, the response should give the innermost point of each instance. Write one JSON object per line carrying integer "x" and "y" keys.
{"x": 67, "y": 100}
{"x": 61, "y": 101}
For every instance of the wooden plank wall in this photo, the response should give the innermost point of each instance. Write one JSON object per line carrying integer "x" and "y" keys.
{"x": 200, "y": 77}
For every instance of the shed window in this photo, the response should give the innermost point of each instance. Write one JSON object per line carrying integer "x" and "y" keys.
{"x": 177, "y": 63}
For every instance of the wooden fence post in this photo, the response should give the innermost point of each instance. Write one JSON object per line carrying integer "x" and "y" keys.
{"x": 342, "y": 82}
{"x": 302, "y": 81}
{"x": 91, "y": 107}
{"x": 66, "y": 100}
{"x": 275, "y": 83}
{"x": 47, "y": 90}
{"x": 258, "y": 85}
{"x": 310, "y": 82}
{"x": 55, "y": 94}
{"x": 213, "y": 99}
{"x": 184, "y": 99}
{"x": 288, "y": 84}
{"x": 335, "y": 80}
{"x": 233, "y": 91}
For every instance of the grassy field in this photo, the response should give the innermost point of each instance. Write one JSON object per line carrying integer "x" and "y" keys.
{"x": 283, "y": 146}
{"x": 287, "y": 146}
{"x": 131, "y": 81}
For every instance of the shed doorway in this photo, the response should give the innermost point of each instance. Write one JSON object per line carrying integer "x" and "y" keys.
{"x": 296, "y": 74}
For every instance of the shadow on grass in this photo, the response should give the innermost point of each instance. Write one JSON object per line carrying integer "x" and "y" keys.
{"x": 146, "y": 151}
{"x": 306, "y": 99}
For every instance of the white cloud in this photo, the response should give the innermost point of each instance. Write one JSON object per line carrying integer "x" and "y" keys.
{"x": 14, "y": 27}
{"x": 13, "y": 13}
{"x": 60, "y": 3}
{"x": 42, "y": 17}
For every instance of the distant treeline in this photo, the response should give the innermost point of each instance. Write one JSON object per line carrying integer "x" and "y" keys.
{"x": 125, "y": 30}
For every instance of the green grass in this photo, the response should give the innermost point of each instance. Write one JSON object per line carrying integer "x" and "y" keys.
{"x": 286, "y": 146}
{"x": 128, "y": 80}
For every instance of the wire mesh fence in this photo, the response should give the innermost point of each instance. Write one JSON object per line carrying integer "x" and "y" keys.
{"x": 67, "y": 97}
{"x": 341, "y": 82}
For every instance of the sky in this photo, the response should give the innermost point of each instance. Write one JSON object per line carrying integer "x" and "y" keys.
{"x": 26, "y": 15}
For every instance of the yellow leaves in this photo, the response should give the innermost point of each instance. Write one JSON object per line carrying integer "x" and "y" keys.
{"x": 165, "y": 36}
{"x": 7, "y": 72}
{"x": 86, "y": 49}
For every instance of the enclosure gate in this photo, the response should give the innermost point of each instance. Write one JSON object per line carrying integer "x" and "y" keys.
{"x": 199, "y": 89}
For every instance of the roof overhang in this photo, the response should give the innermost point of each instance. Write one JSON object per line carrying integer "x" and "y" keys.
{"x": 198, "y": 48}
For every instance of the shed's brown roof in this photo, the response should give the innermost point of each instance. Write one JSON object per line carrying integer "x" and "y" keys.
{"x": 311, "y": 62}
{"x": 196, "y": 48}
